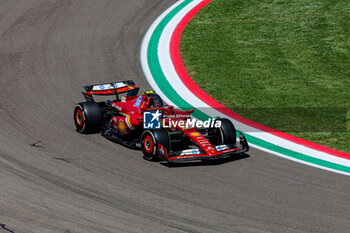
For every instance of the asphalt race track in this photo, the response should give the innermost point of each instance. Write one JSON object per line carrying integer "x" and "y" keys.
{"x": 54, "y": 180}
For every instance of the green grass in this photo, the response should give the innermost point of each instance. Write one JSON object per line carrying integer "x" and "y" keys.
{"x": 282, "y": 54}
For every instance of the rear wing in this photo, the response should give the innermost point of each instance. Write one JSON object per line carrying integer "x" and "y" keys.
{"x": 114, "y": 88}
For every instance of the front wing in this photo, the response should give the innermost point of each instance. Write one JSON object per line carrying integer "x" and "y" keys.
{"x": 198, "y": 154}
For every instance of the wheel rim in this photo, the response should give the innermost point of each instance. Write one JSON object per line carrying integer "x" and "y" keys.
{"x": 79, "y": 119}
{"x": 148, "y": 144}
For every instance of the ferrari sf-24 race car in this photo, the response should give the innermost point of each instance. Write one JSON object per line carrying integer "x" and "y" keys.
{"x": 160, "y": 131}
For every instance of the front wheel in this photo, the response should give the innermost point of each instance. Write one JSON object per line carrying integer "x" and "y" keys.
{"x": 151, "y": 141}
{"x": 226, "y": 134}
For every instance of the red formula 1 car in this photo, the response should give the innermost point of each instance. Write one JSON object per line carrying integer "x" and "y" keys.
{"x": 160, "y": 131}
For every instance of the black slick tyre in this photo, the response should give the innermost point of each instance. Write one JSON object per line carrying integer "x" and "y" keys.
{"x": 156, "y": 100}
{"x": 87, "y": 117}
{"x": 149, "y": 143}
{"x": 226, "y": 134}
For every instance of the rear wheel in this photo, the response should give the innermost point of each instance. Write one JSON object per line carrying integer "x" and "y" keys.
{"x": 87, "y": 117}
{"x": 156, "y": 100}
{"x": 151, "y": 141}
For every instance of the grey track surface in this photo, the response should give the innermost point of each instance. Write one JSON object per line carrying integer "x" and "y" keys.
{"x": 83, "y": 183}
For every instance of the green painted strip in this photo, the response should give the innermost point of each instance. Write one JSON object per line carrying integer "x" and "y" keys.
{"x": 296, "y": 155}
{"x": 167, "y": 89}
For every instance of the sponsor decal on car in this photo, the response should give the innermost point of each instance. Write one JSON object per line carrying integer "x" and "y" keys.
{"x": 121, "y": 126}
{"x": 194, "y": 134}
{"x": 221, "y": 147}
{"x": 116, "y": 106}
{"x": 101, "y": 87}
{"x": 190, "y": 152}
{"x": 119, "y": 85}
{"x": 138, "y": 101}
